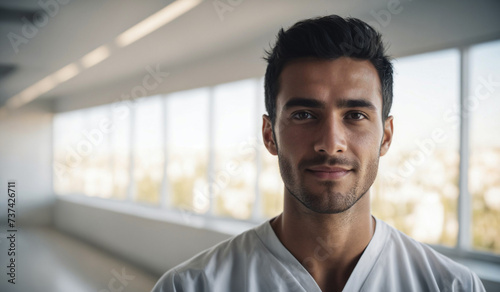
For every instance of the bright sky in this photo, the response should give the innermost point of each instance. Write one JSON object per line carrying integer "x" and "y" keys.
{"x": 485, "y": 123}
{"x": 187, "y": 119}
{"x": 425, "y": 87}
{"x": 235, "y": 113}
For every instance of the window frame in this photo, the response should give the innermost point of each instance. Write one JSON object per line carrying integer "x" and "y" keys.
{"x": 462, "y": 250}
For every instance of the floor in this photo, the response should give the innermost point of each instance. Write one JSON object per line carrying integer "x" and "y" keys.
{"x": 47, "y": 260}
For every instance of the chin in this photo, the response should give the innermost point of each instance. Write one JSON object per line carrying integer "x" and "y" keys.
{"x": 330, "y": 203}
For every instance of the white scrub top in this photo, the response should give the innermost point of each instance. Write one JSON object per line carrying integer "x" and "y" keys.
{"x": 256, "y": 260}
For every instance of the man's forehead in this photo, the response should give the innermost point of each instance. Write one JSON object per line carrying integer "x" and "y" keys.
{"x": 343, "y": 78}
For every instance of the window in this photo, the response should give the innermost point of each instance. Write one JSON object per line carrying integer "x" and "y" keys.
{"x": 235, "y": 122}
{"x": 420, "y": 188}
{"x": 417, "y": 186}
{"x": 187, "y": 124}
{"x": 68, "y": 172}
{"x": 484, "y": 161}
{"x": 148, "y": 149}
{"x": 82, "y": 153}
{"x": 120, "y": 136}
{"x": 97, "y": 175}
{"x": 201, "y": 151}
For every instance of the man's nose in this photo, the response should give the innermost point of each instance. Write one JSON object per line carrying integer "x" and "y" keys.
{"x": 331, "y": 137}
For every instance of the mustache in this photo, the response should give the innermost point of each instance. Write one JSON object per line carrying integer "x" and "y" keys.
{"x": 328, "y": 160}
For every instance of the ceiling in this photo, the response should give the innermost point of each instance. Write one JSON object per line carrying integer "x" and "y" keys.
{"x": 204, "y": 46}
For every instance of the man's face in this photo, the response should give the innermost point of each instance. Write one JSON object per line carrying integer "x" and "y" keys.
{"x": 329, "y": 131}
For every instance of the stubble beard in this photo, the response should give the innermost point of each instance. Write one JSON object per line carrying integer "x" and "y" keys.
{"x": 327, "y": 201}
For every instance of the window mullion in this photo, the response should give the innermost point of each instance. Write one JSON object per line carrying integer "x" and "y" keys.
{"x": 464, "y": 200}
{"x": 165, "y": 199}
{"x": 131, "y": 185}
{"x": 211, "y": 149}
{"x": 110, "y": 152}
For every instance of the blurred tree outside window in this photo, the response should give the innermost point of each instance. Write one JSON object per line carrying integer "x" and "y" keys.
{"x": 148, "y": 149}
{"x": 235, "y": 144}
{"x": 187, "y": 149}
{"x": 120, "y": 136}
{"x": 82, "y": 159}
{"x": 416, "y": 190}
{"x": 67, "y": 164}
{"x": 484, "y": 158}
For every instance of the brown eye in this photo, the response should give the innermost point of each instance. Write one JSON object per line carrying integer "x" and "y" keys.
{"x": 356, "y": 116}
{"x": 302, "y": 116}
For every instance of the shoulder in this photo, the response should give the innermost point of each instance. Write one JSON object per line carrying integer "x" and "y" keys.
{"x": 419, "y": 261}
{"x": 200, "y": 272}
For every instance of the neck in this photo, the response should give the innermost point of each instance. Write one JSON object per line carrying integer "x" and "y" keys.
{"x": 327, "y": 245}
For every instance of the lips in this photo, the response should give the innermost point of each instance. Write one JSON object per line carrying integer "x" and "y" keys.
{"x": 328, "y": 172}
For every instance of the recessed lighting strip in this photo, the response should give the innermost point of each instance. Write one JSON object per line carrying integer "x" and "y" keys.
{"x": 136, "y": 32}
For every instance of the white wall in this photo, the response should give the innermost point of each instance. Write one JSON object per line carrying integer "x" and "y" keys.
{"x": 26, "y": 156}
{"x": 151, "y": 244}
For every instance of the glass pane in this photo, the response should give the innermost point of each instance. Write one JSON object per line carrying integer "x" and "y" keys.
{"x": 484, "y": 167}
{"x": 97, "y": 174}
{"x": 68, "y": 171}
{"x": 234, "y": 177}
{"x": 187, "y": 148}
{"x": 81, "y": 153}
{"x": 417, "y": 187}
{"x": 120, "y": 145}
{"x": 148, "y": 150}
{"x": 91, "y": 152}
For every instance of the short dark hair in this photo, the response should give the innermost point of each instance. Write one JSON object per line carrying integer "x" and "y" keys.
{"x": 328, "y": 37}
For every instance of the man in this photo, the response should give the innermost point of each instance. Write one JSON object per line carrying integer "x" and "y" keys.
{"x": 328, "y": 88}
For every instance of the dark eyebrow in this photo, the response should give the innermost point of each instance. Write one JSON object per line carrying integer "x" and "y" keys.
{"x": 350, "y": 103}
{"x": 314, "y": 103}
{"x": 303, "y": 102}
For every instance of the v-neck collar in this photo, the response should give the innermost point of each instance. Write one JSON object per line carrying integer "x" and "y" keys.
{"x": 359, "y": 274}
{"x": 369, "y": 257}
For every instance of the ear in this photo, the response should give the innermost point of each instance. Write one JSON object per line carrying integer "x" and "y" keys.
{"x": 267, "y": 135}
{"x": 387, "y": 139}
